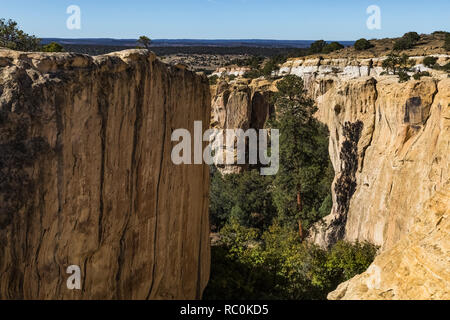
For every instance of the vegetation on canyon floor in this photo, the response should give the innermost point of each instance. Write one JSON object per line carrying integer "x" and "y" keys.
{"x": 262, "y": 221}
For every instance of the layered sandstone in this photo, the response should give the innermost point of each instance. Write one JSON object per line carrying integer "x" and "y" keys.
{"x": 86, "y": 178}
{"x": 348, "y": 68}
{"x": 390, "y": 147}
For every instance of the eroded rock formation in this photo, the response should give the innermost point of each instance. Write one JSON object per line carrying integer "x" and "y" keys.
{"x": 403, "y": 152}
{"x": 240, "y": 105}
{"x": 390, "y": 148}
{"x": 86, "y": 178}
{"x": 416, "y": 267}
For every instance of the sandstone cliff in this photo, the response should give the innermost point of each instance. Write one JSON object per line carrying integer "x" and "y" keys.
{"x": 240, "y": 105}
{"x": 417, "y": 267}
{"x": 400, "y": 134}
{"x": 390, "y": 148}
{"x": 86, "y": 178}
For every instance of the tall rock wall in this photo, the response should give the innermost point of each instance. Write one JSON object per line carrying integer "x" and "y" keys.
{"x": 240, "y": 105}
{"x": 390, "y": 148}
{"x": 86, "y": 178}
{"x": 401, "y": 156}
{"x": 416, "y": 267}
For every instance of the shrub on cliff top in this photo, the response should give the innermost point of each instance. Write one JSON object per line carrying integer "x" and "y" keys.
{"x": 334, "y": 46}
{"x": 406, "y": 42}
{"x": 419, "y": 75}
{"x": 53, "y": 47}
{"x": 363, "y": 44}
{"x": 429, "y": 62}
{"x": 317, "y": 46}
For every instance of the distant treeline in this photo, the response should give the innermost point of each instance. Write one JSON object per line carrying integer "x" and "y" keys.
{"x": 164, "y": 51}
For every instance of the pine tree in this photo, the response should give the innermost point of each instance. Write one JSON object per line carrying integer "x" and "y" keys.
{"x": 305, "y": 175}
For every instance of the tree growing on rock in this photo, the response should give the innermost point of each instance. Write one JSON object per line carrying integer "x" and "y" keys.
{"x": 363, "y": 44}
{"x": 145, "y": 41}
{"x": 53, "y": 47}
{"x": 398, "y": 65}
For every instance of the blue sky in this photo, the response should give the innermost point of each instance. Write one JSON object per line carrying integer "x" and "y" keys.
{"x": 228, "y": 19}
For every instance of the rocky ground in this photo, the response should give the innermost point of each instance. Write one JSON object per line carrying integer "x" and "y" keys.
{"x": 201, "y": 62}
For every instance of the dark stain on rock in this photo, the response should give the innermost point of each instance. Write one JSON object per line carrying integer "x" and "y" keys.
{"x": 346, "y": 184}
{"x": 413, "y": 111}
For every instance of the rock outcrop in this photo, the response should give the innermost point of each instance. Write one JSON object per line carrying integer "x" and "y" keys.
{"x": 390, "y": 148}
{"x": 240, "y": 105}
{"x": 402, "y": 154}
{"x": 86, "y": 178}
{"x": 394, "y": 160}
{"x": 347, "y": 68}
{"x": 416, "y": 267}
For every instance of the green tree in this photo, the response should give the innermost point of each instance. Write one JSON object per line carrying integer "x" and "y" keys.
{"x": 317, "y": 46}
{"x": 408, "y": 41}
{"x": 53, "y": 47}
{"x": 362, "y": 44}
{"x": 303, "y": 182}
{"x": 277, "y": 265}
{"x": 145, "y": 41}
{"x": 244, "y": 197}
{"x": 395, "y": 64}
{"x": 12, "y": 37}
{"x": 429, "y": 62}
{"x": 334, "y": 46}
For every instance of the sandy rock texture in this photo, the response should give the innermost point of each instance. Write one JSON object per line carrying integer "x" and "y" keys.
{"x": 390, "y": 148}
{"x": 400, "y": 155}
{"x": 417, "y": 267}
{"x": 240, "y": 105}
{"x": 86, "y": 178}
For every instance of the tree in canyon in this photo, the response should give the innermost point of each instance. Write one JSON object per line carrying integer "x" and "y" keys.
{"x": 302, "y": 187}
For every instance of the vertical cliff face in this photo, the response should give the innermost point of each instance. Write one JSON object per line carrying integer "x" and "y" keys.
{"x": 416, "y": 267}
{"x": 86, "y": 178}
{"x": 390, "y": 148}
{"x": 387, "y": 172}
{"x": 402, "y": 153}
{"x": 240, "y": 106}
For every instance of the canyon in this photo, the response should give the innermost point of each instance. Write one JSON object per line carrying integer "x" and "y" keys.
{"x": 86, "y": 177}
{"x": 389, "y": 145}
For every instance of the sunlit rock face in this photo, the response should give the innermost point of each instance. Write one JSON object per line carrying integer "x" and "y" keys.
{"x": 402, "y": 153}
{"x": 239, "y": 105}
{"x": 390, "y": 148}
{"x": 416, "y": 267}
{"x": 386, "y": 173}
{"x": 86, "y": 178}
